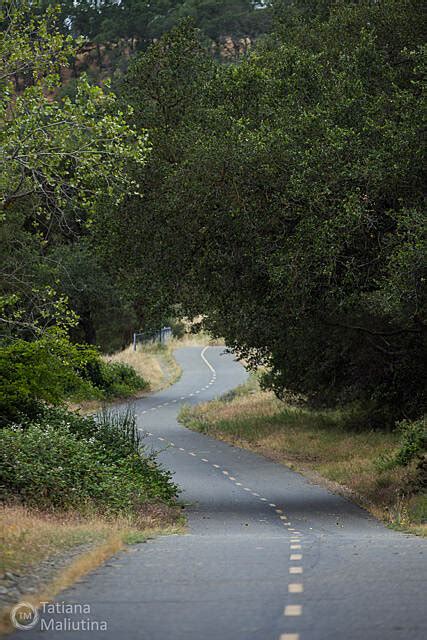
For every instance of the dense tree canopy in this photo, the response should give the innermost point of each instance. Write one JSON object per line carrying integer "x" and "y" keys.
{"x": 63, "y": 160}
{"x": 284, "y": 197}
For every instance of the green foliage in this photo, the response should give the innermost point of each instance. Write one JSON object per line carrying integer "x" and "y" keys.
{"x": 106, "y": 314}
{"x": 66, "y": 461}
{"x": 113, "y": 379}
{"x": 178, "y": 329}
{"x": 136, "y": 24}
{"x": 412, "y": 452}
{"x": 44, "y": 370}
{"x": 60, "y": 154}
{"x": 292, "y": 187}
{"x": 164, "y": 86}
{"x": 413, "y": 443}
{"x": 51, "y": 370}
{"x": 63, "y": 160}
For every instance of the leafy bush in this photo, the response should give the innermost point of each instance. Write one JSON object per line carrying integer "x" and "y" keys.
{"x": 113, "y": 379}
{"x": 52, "y": 369}
{"x": 64, "y": 460}
{"x": 178, "y": 329}
{"x": 412, "y": 449}
{"x": 413, "y": 441}
{"x": 44, "y": 370}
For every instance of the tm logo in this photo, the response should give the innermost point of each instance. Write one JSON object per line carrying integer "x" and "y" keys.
{"x": 24, "y": 616}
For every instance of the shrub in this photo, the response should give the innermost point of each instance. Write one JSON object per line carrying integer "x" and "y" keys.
{"x": 413, "y": 444}
{"x": 178, "y": 329}
{"x": 412, "y": 451}
{"x": 51, "y": 370}
{"x": 66, "y": 461}
{"x": 113, "y": 379}
{"x": 44, "y": 370}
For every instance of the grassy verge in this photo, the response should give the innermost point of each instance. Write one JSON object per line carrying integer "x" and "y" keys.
{"x": 153, "y": 364}
{"x": 31, "y": 540}
{"x": 76, "y": 490}
{"x": 320, "y": 444}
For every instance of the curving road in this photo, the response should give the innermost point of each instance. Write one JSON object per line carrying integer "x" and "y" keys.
{"x": 268, "y": 555}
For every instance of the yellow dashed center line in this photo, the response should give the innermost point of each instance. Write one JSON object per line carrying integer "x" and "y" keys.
{"x": 290, "y": 610}
{"x": 295, "y": 587}
{"x": 293, "y": 610}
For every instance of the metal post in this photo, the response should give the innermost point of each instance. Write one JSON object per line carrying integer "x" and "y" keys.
{"x": 134, "y": 341}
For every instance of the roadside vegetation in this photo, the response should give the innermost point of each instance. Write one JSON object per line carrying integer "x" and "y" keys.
{"x": 384, "y": 471}
{"x": 80, "y": 484}
{"x": 152, "y": 362}
{"x": 43, "y": 553}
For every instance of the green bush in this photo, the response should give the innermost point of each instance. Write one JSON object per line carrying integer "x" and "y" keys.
{"x": 112, "y": 379}
{"x": 67, "y": 461}
{"x": 412, "y": 449}
{"x": 51, "y": 370}
{"x": 42, "y": 371}
{"x": 413, "y": 444}
{"x": 178, "y": 329}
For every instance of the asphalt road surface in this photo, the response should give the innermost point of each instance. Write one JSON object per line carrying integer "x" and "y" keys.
{"x": 268, "y": 556}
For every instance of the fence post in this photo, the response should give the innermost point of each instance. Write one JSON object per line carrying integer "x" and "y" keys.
{"x": 134, "y": 341}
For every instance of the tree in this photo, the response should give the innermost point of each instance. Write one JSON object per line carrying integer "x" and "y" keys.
{"x": 62, "y": 160}
{"x": 296, "y": 194}
{"x": 148, "y": 246}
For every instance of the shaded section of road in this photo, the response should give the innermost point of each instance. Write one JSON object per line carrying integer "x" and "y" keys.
{"x": 268, "y": 554}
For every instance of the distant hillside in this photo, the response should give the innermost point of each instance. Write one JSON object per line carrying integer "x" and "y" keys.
{"x": 113, "y": 30}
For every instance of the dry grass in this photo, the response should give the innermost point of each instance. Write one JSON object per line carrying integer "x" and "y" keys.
{"x": 154, "y": 363}
{"x": 320, "y": 445}
{"x": 29, "y": 537}
{"x": 200, "y": 339}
